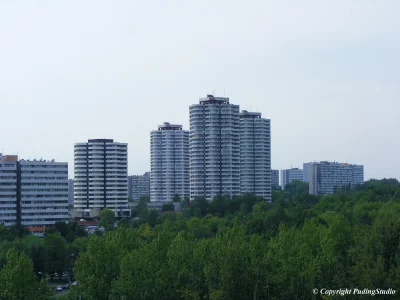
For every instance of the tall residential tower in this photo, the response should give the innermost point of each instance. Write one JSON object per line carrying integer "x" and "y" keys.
{"x": 169, "y": 173}
{"x": 101, "y": 167}
{"x": 214, "y": 148}
{"x": 255, "y": 154}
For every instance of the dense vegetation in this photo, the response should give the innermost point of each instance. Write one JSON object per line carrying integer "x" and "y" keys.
{"x": 240, "y": 248}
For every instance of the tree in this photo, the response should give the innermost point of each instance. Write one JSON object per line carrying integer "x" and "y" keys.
{"x": 18, "y": 282}
{"x": 99, "y": 266}
{"x": 56, "y": 252}
{"x": 153, "y": 217}
{"x": 168, "y": 207}
{"x": 107, "y": 219}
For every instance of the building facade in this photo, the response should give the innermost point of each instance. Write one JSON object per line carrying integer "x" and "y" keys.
{"x": 214, "y": 148}
{"x": 275, "y": 178}
{"x": 288, "y": 175}
{"x": 255, "y": 154}
{"x": 70, "y": 191}
{"x": 101, "y": 167}
{"x": 327, "y": 177}
{"x": 306, "y": 167}
{"x": 169, "y": 163}
{"x": 33, "y": 194}
{"x": 139, "y": 186}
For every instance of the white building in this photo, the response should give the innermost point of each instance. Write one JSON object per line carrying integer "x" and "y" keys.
{"x": 169, "y": 173}
{"x": 101, "y": 167}
{"x": 255, "y": 154}
{"x": 288, "y": 175}
{"x": 326, "y": 177}
{"x": 214, "y": 148}
{"x": 34, "y": 193}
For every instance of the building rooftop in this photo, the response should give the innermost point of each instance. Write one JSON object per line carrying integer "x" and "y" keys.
{"x": 251, "y": 115}
{"x": 168, "y": 126}
{"x": 210, "y": 99}
{"x": 101, "y": 141}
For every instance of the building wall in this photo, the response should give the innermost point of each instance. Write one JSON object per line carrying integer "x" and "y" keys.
{"x": 275, "y": 178}
{"x": 71, "y": 192}
{"x": 325, "y": 177}
{"x": 288, "y": 175}
{"x": 255, "y": 155}
{"x": 8, "y": 193}
{"x": 169, "y": 163}
{"x": 306, "y": 168}
{"x": 33, "y": 193}
{"x": 44, "y": 193}
{"x": 138, "y": 186}
{"x": 214, "y": 148}
{"x": 101, "y": 168}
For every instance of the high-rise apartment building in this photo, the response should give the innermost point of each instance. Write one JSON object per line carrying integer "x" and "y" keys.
{"x": 34, "y": 193}
{"x": 214, "y": 148}
{"x": 275, "y": 178}
{"x": 255, "y": 154}
{"x": 139, "y": 186}
{"x": 70, "y": 191}
{"x": 325, "y": 177}
{"x": 169, "y": 163}
{"x": 288, "y": 175}
{"x": 101, "y": 167}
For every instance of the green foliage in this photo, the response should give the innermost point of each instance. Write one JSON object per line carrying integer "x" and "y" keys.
{"x": 107, "y": 219}
{"x": 18, "y": 282}
{"x": 168, "y": 207}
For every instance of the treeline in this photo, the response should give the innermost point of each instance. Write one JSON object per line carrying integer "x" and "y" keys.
{"x": 244, "y": 248}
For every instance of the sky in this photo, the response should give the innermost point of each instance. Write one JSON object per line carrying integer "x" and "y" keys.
{"x": 327, "y": 74}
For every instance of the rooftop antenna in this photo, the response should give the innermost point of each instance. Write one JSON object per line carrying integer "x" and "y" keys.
{"x": 214, "y": 92}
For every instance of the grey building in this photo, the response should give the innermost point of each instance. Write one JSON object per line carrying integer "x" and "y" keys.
{"x": 138, "y": 186}
{"x": 288, "y": 175}
{"x": 214, "y": 148}
{"x": 101, "y": 167}
{"x": 169, "y": 174}
{"x": 306, "y": 167}
{"x": 33, "y": 193}
{"x": 70, "y": 191}
{"x": 255, "y": 154}
{"x": 325, "y": 177}
{"x": 275, "y": 178}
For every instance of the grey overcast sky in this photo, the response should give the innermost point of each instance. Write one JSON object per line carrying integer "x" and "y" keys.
{"x": 327, "y": 74}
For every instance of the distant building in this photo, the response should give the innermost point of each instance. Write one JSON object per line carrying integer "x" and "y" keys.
{"x": 138, "y": 186}
{"x": 101, "y": 167}
{"x": 214, "y": 148}
{"x": 157, "y": 205}
{"x": 255, "y": 154}
{"x": 70, "y": 191}
{"x": 306, "y": 167}
{"x": 288, "y": 175}
{"x": 325, "y": 177}
{"x": 275, "y": 178}
{"x": 34, "y": 193}
{"x": 169, "y": 174}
